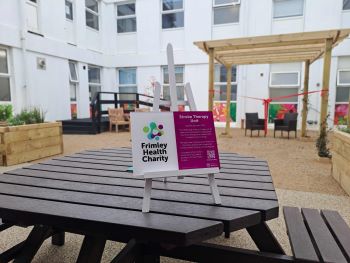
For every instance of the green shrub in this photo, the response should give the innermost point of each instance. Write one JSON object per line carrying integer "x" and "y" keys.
{"x": 28, "y": 116}
{"x": 347, "y": 130}
{"x": 5, "y": 112}
{"x": 322, "y": 142}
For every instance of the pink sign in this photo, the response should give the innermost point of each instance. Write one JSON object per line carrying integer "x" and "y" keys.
{"x": 196, "y": 140}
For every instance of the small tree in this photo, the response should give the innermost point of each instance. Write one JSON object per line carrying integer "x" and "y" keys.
{"x": 322, "y": 141}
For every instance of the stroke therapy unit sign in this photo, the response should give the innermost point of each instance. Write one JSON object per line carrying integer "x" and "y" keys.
{"x": 168, "y": 144}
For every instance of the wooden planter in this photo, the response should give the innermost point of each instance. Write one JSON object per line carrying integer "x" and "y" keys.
{"x": 341, "y": 159}
{"x": 19, "y": 144}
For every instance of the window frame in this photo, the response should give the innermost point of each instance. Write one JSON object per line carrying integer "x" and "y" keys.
{"x": 173, "y": 11}
{"x": 35, "y": 4}
{"x": 286, "y": 17}
{"x": 72, "y": 81}
{"x": 93, "y": 83}
{"x": 228, "y": 4}
{"x": 284, "y": 85}
{"x": 8, "y": 74}
{"x": 176, "y": 84}
{"x": 218, "y": 83}
{"x": 221, "y": 6}
{"x": 127, "y": 85}
{"x": 73, "y": 11}
{"x": 126, "y": 16}
{"x": 338, "y": 78}
{"x": 95, "y": 14}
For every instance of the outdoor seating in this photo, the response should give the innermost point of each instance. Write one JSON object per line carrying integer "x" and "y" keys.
{"x": 253, "y": 123}
{"x": 317, "y": 236}
{"x": 117, "y": 117}
{"x": 142, "y": 109}
{"x": 288, "y": 124}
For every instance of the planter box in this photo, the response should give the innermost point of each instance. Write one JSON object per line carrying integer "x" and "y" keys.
{"x": 19, "y": 144}
{"x": 341, "y": 159}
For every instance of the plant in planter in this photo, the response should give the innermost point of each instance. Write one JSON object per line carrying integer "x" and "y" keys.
{"x": 28, "y": 116}
{"x": 322, "y": 143}
{"x": 5, "y": 113}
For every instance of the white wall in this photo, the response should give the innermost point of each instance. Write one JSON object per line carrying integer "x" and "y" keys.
{"x": 145, "y": 50}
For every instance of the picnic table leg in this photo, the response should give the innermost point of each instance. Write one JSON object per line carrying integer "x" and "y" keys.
{"x": 149, "y": 254}
{"x": 91, "y": 250}
{"x": 129, "y": 253}
{"x": 264, "y": 239}
{"x": 32, "y": 244}
{"x": 58, "y": 239}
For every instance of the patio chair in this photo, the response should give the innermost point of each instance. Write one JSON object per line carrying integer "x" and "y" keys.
{"x": 142, "y": 109}
{"x": 117, "y": 117}
{"x": 254, "y": 123}
{"x": 288, "y": 124}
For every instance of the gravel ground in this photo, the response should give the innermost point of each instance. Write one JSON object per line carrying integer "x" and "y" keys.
{"x": 300, "y": 179}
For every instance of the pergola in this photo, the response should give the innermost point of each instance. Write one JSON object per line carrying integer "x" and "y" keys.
{"x": 297, "y": 47}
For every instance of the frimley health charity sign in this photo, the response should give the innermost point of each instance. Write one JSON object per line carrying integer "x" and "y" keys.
{"x": 168, "y": 144}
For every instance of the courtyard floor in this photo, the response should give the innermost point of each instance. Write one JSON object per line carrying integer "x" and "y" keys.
{"x": 299, "y": 177}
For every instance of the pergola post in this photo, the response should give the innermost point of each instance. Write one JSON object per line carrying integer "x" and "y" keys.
{"x": 306, "y": 98}
{"x": 211, "y": 80}
{"x": 228, "y": 99}
{"x": 325, "y": 83}
{"x": 349, "y": 113}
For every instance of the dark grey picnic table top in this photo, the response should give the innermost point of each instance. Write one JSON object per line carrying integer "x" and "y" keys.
{"x": 91, "y": 193}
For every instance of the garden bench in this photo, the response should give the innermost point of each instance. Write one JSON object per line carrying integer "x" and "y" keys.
{"x": 317, "y": 236}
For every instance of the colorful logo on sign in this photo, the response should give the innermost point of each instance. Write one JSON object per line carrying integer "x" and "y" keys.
{"x": 153, "y": 131}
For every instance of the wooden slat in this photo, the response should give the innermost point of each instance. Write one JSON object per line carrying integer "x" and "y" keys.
{"x": 300, "y": 240}
{"x": 129, "y": 163}
{"x": 269, "y": 208}
{"x": 124, "y": 178}
{"x": 115, "y": 224}
{"x": 339, "y": 229}
{"x": 227, "y": 215}
{"x": 220, "y": 177}
{"x": 117, "y": 158}
{"x": 327, "y": 247}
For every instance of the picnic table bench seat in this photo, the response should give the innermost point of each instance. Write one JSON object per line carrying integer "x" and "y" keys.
{"x": 317, "y": 236}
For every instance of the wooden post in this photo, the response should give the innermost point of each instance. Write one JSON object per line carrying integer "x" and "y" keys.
{"x": 306, "y": 98}
{"x": 211, "y": 80}
{"x": 325, "y": 83}
{"x": 228, "y": 99}
{"x": 349, "y": 113}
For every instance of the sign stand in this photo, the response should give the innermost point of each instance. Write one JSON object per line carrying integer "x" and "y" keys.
{"x": 174, "y": 103}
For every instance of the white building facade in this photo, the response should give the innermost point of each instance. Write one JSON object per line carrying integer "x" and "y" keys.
{"x": 55, "y": 53}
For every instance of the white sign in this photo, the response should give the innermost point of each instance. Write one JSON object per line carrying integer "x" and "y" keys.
{"x": 153, "y": 142}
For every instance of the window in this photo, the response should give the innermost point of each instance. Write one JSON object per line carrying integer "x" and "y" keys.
{"x": 288, "y": 8}
{"x": 73, "y": 80}
{"x": 179, "y": 78}
{"x": 343, "y": 86}
{"x": 126, "y": 18}
{"x": 94, "y": 80}
{"x": 226, "y": 11}
{"x": 69, "y": 9}
{"x": 285, "y": 79}
{"x": 220, "y": 83}
{"x": 91, "y": 12}
{"x": 32, "y": 11}
{"x": 172, "y": 14}
{"x": 127, "y": 83}
{"x": 5, "y": 91}
{"x": 346, "y": 5}
{"x": 284, "y": 84}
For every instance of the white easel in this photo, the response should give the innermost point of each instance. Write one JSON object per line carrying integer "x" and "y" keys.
{"x": 174, "y": 103}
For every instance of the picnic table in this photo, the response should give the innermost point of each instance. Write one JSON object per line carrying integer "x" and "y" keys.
{"x": 91, "y": 193}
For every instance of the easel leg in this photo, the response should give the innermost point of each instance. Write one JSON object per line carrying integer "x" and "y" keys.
{"x": 147, "y": 196}
{"x": 214, "y": 189}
